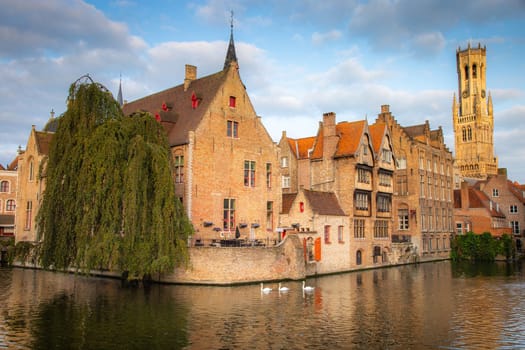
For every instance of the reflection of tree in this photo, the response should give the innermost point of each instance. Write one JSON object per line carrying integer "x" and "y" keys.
{"x": 131, "y": 321}
{"x": 461, "y": 269}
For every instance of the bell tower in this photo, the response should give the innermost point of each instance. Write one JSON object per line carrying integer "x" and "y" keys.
{"x": 472, "y": 116}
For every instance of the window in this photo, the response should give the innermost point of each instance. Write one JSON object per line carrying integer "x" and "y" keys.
{"x": 381, "y": 229}
{"x": 284, "y": 162}
{"x": 286, "y": 181}
{"x": 515, "y": 227}
{"x": 29, "y": 214}
{"x": 402, "y": 185}
{"x": 31, "y": 171}
{"x": 514, "y": 209}
{"x": 358, "y": 258}
{"x": 385, "y": 179}
{"x": 429, "y": 187}
{"x": 402, "y": 215}
{"x": 10, "y": 205}
{"x": 363, "y": 175}
{"x": 249, "y": 173}
{"x": 361, "y": 200}
{"x": 269, "y": 216}
{"x": 422, "y": 186}
{"x": 469, "y": 133}
{"x": 269, "y": 175}
{"x": 474, "y": 71}
{"x": 327, "y": 234}
{"x": 383, "y": 203}
{"x": 179, "y": 169}
{"x": 232, "y": 101}
{"x": 4, "y": 186}
{"x": 229, "y": 214}
{"x": 421, "y": 161}
{"x": 495, "y": 192}
{"x": 232, "y": 129}
{"x": 430, "y": 219}
{"x": 359, "y": 228}
{"x": 340, "y": 237}
{"x": 386, "y": 156}
{"x": 464, "y": 134}
{"x": 402, "y": 163}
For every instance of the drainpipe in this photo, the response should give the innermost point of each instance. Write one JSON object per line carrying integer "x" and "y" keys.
{"x": 189, "y": 200}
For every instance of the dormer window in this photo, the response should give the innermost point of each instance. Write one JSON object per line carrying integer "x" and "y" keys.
{"x": 232, "y": 101}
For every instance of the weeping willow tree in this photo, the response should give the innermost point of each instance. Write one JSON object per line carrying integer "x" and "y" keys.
{"x": 109, "y": 201}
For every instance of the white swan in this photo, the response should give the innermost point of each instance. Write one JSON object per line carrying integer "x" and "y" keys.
{"x": 283, "y": 289}
{"x": 265, "y": 289}
{"x": 307, "y": 288}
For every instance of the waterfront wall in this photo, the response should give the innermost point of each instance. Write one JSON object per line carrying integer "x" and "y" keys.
{"x": 234, "y": 265}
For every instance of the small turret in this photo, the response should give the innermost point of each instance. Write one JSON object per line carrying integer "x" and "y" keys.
{"x": 230, "y": 54}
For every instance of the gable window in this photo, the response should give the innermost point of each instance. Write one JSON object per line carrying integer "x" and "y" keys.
{"x": 286, "y": 181}
{"x": 229, "y": 214}
{"x": 10, "y": 205}
{"x": 4, "y": 186}
{"x": 179, "y": 169}
{"x": 29, "y": 215}
{"x": 232, "y": 129}
{"x": 359, "y": 228}
{"x": 387, "y": 156}
{"x": 232, "y": 102}
{"x": 340, "y": 237}
{"x": 269, "y": 216}
{"x": 495, "y": 192}
{"x": 327, "y": 234}
{"x": 284, "y": 162}
{"x": 402, "y": 215}
{"x": 514, "y": 209}
{"x": 249, "y": 173}
{"x": 401, "y": 163}
{"x": 269, "y": 175}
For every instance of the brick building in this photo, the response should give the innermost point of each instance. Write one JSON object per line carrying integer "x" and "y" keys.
{"x": 226, "y": 166}
{"x": 423, "y": 185}
{"x": 31, "y": 179}
{"x": 8, "y": 189}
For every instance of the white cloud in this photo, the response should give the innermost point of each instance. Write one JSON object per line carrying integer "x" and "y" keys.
{"x": 321, "y": 38}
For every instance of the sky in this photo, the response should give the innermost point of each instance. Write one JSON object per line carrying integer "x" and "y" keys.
{"x": 297, "y": 58}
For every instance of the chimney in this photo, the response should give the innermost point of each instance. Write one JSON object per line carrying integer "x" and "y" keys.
{"x": 328, "y": 124}
{"x": 191, "y": 74}
{"x": 465, "y": 202}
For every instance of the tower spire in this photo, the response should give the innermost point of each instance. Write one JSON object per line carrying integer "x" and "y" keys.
{"x": 119, "y": 96}
{"x": 230, "y": 54}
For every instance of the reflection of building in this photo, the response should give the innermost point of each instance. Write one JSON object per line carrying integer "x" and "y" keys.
{"x": 8, "y": 189}
{"x": 423, "y": 186}
{"x": 225, "y": 162}
{"x": 472, "y": 116}
{"x": 31, "y": 177}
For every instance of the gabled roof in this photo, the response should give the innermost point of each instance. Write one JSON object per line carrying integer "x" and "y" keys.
{"x": 43, "y": 141}
{"x": 288, "y": 199}
{"x": 300, "y": 147}
{"x": 323, "y": 203}
{"x": 377, "y": 132}
{"x": 14, "y": 164}
{"x": 350, "y": 134}
{"x": 477, "y": 199}
{"x": 182, "y": 117}
{"x": 516, "y": 190}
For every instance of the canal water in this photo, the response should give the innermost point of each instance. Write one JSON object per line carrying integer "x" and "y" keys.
{"x": 427, "y": 306}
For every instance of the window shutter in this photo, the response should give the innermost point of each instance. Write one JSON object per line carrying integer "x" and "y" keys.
{"x": 317, "y": 249}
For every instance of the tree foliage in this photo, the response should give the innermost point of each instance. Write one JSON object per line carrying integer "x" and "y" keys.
{"x": 483, "y": 247}
{"x": 109, "y": 201}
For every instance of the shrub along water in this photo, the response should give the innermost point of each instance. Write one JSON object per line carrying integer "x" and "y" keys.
{"x": 482, "y": 247}
{"x": 110, "y": 200}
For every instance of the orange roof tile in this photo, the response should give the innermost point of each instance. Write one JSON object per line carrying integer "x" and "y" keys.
{"x": 350, "y": 134}
{"x": 300, "y": 147}
{"x": 377, "y": 131}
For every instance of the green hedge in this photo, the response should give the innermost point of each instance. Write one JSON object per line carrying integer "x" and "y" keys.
{"x": 482, "y": 247}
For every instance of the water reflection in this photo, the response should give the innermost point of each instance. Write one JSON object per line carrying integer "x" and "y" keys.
{"x": 435, "y": 305}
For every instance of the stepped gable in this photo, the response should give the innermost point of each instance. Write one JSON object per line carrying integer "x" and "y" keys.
{"x": 324, "y": 203}
{"x": 181, "y": 115}
{"x": 300, "y": 147}
{"x": 288, "y": 199}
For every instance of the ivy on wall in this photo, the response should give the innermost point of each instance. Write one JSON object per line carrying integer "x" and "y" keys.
{"x": 483, "y": 247}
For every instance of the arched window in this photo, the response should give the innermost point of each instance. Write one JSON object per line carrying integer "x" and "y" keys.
{"x": 466, "y": 72}
{"x": 474, "y": 71}
{"x": 464, "y": 134}
{"x": 358, "y": 258}
{"x": 469, "y": 133}
{"x": 4, "y": 186}
{"x": 31, "y": 170}
{"x": 10, "y": 205}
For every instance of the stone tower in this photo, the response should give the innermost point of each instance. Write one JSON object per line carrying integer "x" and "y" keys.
{"x": 473, "y": 117}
